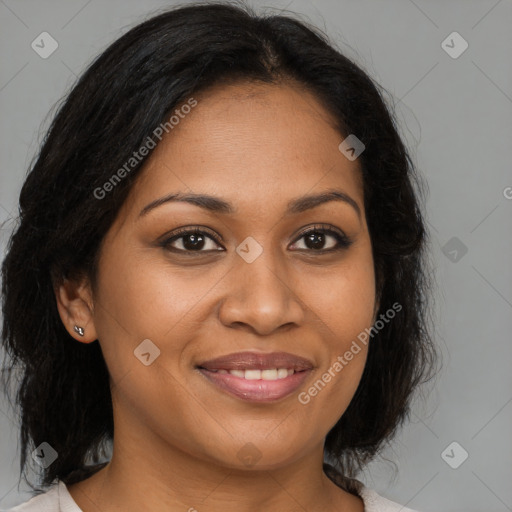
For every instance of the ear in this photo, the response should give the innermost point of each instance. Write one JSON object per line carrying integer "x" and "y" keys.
{"x": 75, "y": 305}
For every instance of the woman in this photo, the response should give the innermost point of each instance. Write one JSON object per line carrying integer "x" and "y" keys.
{"x": 219, "y": 268}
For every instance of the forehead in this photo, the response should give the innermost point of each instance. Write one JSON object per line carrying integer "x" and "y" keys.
{"x": 253, "y": 144}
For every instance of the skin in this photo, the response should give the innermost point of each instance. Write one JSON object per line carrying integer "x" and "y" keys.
{"x": 178, "y": 438}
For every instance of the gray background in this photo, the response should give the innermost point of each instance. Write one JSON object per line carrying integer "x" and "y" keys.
{"x": 455, "y": 115}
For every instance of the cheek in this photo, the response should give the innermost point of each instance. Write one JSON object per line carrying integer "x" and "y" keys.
{"x": 142, "y": 296}
{"x": 343, "y": 299}
{"x": 142, "y": 300}
{"x": 344, "y": 314}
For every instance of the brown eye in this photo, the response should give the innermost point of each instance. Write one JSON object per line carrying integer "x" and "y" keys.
{"x": 192, "y": 240}
{"x": 316, "y": 238}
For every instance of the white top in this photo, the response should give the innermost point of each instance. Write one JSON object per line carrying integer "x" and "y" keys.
{"x": 58, "y": 499}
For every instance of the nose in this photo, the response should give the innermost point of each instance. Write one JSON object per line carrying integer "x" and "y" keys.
{"x": 261, "y": 297}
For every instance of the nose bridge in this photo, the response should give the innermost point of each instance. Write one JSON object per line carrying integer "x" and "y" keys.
{"x": 264, "y": 273}
{"x": 260, "y": 294}
{"x": 261, "y": 273}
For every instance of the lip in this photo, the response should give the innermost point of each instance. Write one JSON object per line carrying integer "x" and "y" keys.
{"x": 257, "y": 390}
{"x": 257, "y": 361}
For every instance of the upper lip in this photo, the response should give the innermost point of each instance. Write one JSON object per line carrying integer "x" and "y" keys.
{"x": 257, "y": 361}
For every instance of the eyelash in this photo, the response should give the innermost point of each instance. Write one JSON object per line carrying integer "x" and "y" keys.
{"x": 342, "y": 240}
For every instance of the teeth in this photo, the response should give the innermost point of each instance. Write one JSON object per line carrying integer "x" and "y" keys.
{"x": 269, "y": 374}
{"x": 282, "y": 373}
{"x": 252, "y": 374}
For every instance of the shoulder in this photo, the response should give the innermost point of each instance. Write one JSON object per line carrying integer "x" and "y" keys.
{"x": 49, "y": 501}
{"x": 56, "y": 500}
{"x": 373, "y": 502}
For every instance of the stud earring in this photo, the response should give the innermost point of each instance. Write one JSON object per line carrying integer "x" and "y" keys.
{"x": 79, "y": 330}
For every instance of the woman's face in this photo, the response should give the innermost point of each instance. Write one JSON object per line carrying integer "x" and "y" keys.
{"x": 250, "y": 282}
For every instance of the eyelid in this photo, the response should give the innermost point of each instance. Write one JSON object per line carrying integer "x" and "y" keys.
{"x": 175, "y": 234}
{"x": 322, "y": 227}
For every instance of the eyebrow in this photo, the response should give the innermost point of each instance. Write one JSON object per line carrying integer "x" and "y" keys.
{"x": 218, "y": 205}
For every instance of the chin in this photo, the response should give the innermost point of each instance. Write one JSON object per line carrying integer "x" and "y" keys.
{"x": 260, "y": 456}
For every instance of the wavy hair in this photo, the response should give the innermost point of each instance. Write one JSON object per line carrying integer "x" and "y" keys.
{"x": 62, "y": 389}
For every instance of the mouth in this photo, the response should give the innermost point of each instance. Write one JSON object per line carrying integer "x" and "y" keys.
{"x": 257, "y": 377}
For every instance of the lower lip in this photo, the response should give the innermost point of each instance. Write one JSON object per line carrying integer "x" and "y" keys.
{"x": 256, "y": 390}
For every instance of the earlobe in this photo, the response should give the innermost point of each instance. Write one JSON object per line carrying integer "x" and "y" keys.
{"x": 74, "y": 303}
{"x": 79, "y": 330}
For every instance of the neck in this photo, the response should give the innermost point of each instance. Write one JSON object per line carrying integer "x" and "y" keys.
{"x": 147, "y": 473}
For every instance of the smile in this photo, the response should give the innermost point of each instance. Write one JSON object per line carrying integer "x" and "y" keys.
{"x": 257, "y": 377}
{"x": 271, "y": 374}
